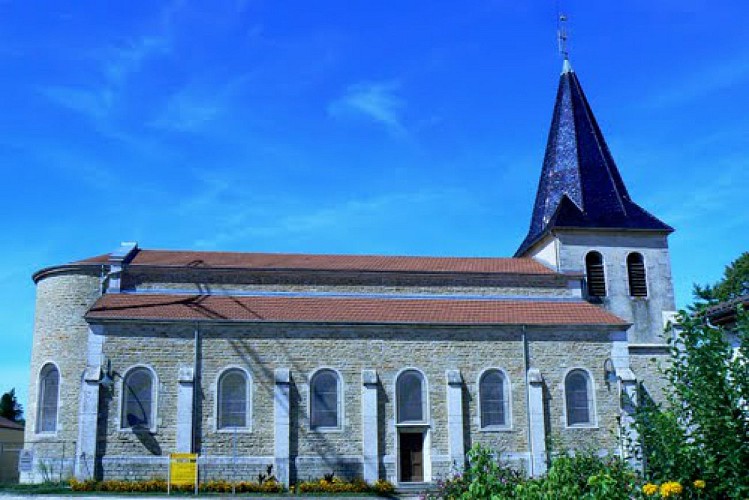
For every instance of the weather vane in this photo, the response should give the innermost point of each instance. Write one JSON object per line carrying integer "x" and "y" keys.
{"x": 562, "y": 35}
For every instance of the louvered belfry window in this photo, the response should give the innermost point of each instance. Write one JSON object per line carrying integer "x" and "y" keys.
{"x": 638, "y": 286}
{"x": 595, "y": 274}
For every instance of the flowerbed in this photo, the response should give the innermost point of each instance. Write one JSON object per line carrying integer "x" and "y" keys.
{"x": 160, "y": 486}
{"x": 325, "y": 485}
{"x": 335, "y": 485}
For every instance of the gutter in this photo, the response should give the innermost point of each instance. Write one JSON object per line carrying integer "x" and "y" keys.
{"x": 220, "y": 322}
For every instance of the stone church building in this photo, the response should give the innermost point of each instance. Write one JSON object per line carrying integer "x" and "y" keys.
{"x": 362, "y": 365}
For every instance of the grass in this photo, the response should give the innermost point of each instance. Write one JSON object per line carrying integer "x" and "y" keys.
{"x": 35, "y": 489}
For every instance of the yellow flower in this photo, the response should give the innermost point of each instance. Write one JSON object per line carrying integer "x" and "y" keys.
{"x": 671, "y": 488}
{"x": 699, "y": 484}
{"x": 650, "y": 489}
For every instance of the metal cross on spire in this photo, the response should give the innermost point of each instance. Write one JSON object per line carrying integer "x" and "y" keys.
{"x": 562, "y": 35}
{"x": 562, "y": 41}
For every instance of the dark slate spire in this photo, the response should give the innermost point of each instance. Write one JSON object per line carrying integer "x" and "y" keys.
{"x": 580, "y": 186}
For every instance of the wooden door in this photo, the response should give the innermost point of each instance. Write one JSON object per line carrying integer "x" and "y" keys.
{"x": 412, "y": 457}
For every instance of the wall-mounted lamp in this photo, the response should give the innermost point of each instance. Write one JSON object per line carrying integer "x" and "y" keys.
{"x": 609, "y": 372}
{"x": 107, "y": 380}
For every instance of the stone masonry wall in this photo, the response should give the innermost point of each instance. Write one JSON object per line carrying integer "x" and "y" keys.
{"x": 60, "y": 335}
{"x": 261, "y": 349}
{"x": 646, "y": 313}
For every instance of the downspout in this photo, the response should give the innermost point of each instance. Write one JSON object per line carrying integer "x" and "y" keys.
{"x": 195, "y": 389}
{"x": 527, "y": 403}
{"x": 619, "y": 391}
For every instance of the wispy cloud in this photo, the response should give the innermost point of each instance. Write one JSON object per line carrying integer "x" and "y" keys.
{"x": 698, "y": 83}
{"x": 270, "y": 219}
{"x": 697, "y": 202}
{"x": 120, "y": 61}
{"x": 197, "y": 104}
{"x": 94, "y": 103}
{"x": 375, "y": 101}
{"x": 114, "y": 65}
{"x": 187, "y": 111}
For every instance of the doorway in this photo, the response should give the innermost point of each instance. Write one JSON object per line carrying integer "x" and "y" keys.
{"x": 411, "y": 457}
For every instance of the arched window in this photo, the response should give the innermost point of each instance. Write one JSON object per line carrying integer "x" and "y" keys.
{"x": 233, "y": 400}
{"x": 595, "y": 274}
{"x": 411, "y": 398}
{"x": 325, "y": 400}
{"x": 49, "y": 391}
{"x": 138, "y": 399}
{"x": 579, "y": 398}
{"x": 493, "y": 399}
{"x": 638, "y": 286}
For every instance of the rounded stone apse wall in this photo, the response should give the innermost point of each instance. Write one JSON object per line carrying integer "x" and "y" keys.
{"x": 59, "y": 343}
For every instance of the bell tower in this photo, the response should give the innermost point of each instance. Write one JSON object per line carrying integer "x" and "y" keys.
{"x": 584, "y": 221}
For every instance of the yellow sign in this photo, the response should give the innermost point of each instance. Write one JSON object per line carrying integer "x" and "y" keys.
{"x": 183, "y": 469}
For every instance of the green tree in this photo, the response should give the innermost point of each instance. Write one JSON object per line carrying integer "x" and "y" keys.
{"x": 702, "y": 432}
{"x": 10, "y": 408}
{"x": 735, "y": 283}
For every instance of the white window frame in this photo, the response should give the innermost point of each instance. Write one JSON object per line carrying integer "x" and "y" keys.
{"x": 424, "y": 399}
{"x": 593, "y": 409}
{"x": 340, "y": 408}
{"x": 507, "y": 386}
{"x": 217, "y": 401}
{"x": 38, "y": 399}
{"x": 155, "y": 389}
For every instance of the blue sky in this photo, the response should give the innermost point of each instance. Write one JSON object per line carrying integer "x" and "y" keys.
{"x": 351, "y": 127}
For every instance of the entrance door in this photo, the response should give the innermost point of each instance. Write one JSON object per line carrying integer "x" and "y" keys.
{"x": 412, "y": 457}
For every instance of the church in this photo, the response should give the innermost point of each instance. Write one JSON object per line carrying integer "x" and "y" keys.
{"x": 370, "y": 366}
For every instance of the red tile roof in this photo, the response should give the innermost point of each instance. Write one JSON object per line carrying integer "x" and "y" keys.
{"x": 320, "y": 262}
{"x": 347, "y": 310}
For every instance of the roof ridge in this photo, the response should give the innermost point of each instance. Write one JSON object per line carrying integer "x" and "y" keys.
{"x": 364, "y": 255}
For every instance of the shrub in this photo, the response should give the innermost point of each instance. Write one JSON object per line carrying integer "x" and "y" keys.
{"x": 702, "y": 433}
{"x": 583, "y": 476}
{"x": 483, "y": 477}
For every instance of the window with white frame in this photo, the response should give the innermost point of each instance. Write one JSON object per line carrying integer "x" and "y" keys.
{"x": 49, "y": 391}
{"x": 494, "y": 400}
{"x": 138, "y": 399}
{"x": 325, "y": 400}
{"x": 233, "y": 400}
{"x": 410, "y": 389}
{"x": 578, "y": 389}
